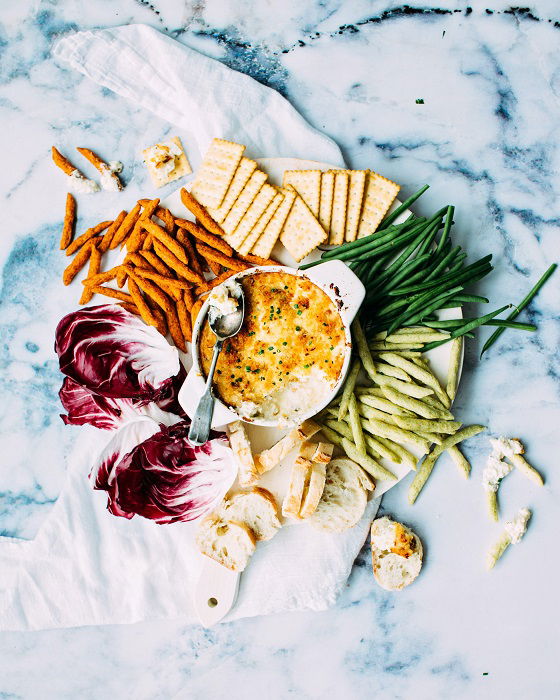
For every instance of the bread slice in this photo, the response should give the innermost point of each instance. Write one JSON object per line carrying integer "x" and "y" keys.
{"x": 229, "y": 543}
{"x": 299, "y": 478}
{"x": 274, "y": 455}
{"x": 396, "y": 554}
{"x": 247, "y": 471}
{"x": 314, "y": 491}
{"x": 256, "y": 509}
{"x": 343, "y": 500}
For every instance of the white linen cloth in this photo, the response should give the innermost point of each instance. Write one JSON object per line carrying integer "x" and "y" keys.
{"x": 85, "y": 566}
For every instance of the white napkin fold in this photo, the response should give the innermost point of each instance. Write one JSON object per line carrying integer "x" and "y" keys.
{"x": 86, "y": 567}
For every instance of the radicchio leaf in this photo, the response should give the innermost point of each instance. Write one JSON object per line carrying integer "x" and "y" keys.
{"x": 115, "y": 354}
{"x": 85, "y": 407}
{"x": 165, "y": 478}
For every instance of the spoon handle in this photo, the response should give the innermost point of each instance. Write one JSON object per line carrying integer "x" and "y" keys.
{"x": 202, "y": 419}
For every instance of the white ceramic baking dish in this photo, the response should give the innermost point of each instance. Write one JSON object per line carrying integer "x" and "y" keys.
{"x": 337, "y": 281}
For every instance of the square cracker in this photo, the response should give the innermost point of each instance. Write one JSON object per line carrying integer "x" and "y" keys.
{"x": 307, "y": 183}
{"x": 265, "y": 243}
{"x": 243, "y": 202}
{"x": 216, "y": 172}
{"x": 262, "y": 223}
{"x": 378, "y": 196}
{"x": 182, "y": 165}
{"x": 264, "y": 196}
{"x": 355, "y": 197}
{"x": 244, "y": 171}
{"x": 340, "y": 202}
{"x": 302, "y": 233}
{"x": 325, "y": 204}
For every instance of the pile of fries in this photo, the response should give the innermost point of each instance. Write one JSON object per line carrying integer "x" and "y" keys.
{"x": 165, "y": 266}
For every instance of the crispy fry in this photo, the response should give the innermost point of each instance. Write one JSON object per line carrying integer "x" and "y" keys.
{"x": 256, "y": 260}
{"x": 216, "y": 256}
{"x": 203, "y": 235}
{"x": 76, "y": 265}
{"x": 129, "y": 307}
{"x": 110, "y": 232}
{"x": 69, "y": 222}
{"x": 143, "y": 308}
{"x": 195, "y": 309}
{"x": 63, "y": 163}
{"x": 166, "y": 216}
{"x": 100, "y": 165}
{"x": 138, "y": 260}
{"x": 207, "y": 286}
{"x": 184, "y": 320}
{"x": 163, "y": 237}
{"x": 113, "y": 293}
{"x": 169, "y": 282}
{"x": 185, "y": 241}
{"x": 153, "y": 260}
{"x": 188, "y": 298}
{"x": 137, "y": 237}
{"x": 200, "y": 213}
{"x": 85, "y": 237}
{"x": 158, "y": 313}
{"x": 180, "y": 268}
{"x": 93, "y": 269}
{"x": 122, "y": 275}
{"x": 148, "y": 242}
{"x": 102, "y": 277}
{"x": 215, "y": 267}
{"x": 168, "y": 308}
{"x": 126, "y": 227}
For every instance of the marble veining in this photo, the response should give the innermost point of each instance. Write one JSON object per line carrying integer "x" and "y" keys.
{"x": 485, "y": 136}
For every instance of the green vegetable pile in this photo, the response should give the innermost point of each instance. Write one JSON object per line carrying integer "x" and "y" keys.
{"x": 410, "y": 271}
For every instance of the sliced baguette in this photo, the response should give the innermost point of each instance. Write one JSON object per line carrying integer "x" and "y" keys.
{"x": 315, "y": 489}
{"x": 248, "y": 472}
{"x": 256, "y": 509}
{"x": 343, "y": 500}
{"x": 274, "y": 455}
{"x": 396, "y": 554}
{"x": 229, "y": 543}
{"x": 299, "y": 477}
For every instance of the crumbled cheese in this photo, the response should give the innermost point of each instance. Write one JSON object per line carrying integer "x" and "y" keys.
{"x": 163, "y": 157}
{"x": 109, "y": 181}
{"x": 80, "y": 184}
{"x": 494, "y": 472}
{"x": 115, "y": 166}
{"x": 506, "y": 447}
{"x": 516, "y": 528}
{"x": 224, "y": 299}
{"x": 248, "y": 409}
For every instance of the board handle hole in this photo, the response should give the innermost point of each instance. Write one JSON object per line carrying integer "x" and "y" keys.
{"x": 212, "y": 602}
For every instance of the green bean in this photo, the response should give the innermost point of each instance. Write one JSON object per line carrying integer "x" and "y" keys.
{"x": 481, "y": 264}
{"x": 416, "y": 311}
{"x": 403, "y": 207}
{"x": 527, "y": 300}
{"x": 475, "y": 323}
{"x": 406, "y": 269}
{"x": 446, "y": 227}
{"x": 467, "y": 299}
{"x": 374, "y": 238}
{"x": 374, "y": 250}
{"x": 444, "y": 263}
{"x": 434, "y": 228}
{"x": 456, "y": 322}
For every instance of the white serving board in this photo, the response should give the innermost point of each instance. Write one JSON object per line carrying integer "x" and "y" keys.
{"x": 216, "y": 589}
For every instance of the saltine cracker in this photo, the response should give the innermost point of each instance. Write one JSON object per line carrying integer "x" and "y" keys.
{"x": 264, "y": 245}
{"x": 216, "y": 172}
{"x": 261, "y": 224}
{"x": 264, "y": 196}
{"x": 244, "y": 171}
{"x": 243, "y": 202}
{"x": 307, "y": 183}
{"x": 302, "y": 233}
{"x": 325, "y": 205}
{"x": 355, "y": 198}
{"x": 340, "y": 203}
{"x": 378, "y": 197}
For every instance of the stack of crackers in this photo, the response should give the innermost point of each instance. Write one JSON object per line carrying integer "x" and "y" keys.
{"x": 312, "y": 207}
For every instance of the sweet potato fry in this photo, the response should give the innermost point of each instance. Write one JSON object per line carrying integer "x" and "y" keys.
{"x": 216, "y": 256}
{"x": 126, "y": 227}
{"x": 148, "y": 242}
{"x": 166, "y": 216}
{"x": 169, "y": 282}
{"x": 158, "y": 313}
{"x": 152, "y": 259}
{"x": 122, "y": 275}
{"x": 215, "y": 267}
{"x": 200, "y": 213}
{"x": 138, "y": 260}
{"x": 207, "y": 286}
{"x": 256, "y": 260}
{"x": 100, "y": 164}
{"x": 76, "y": 265}
{"x": 173, "y": 262}
{"x": 195, "y": 310}
{"x": 168, "y": 307}
{"x": 188, "y": 298}
{"x": 113, "y": 293}
{"x": 136, "y": 238}
{"x": 143, "y": 308}
{"x": 93, "y": 270}
{"x": 203, "y": 235}
{"x": 129, "y": 307}
{"x": 168, "y": 241}
{"x": 101, "y": 277}
{"x": 185, "y": 241}
{"x": 110, "y": 232}
{"x": 85, "y": 237}
{"x": 61, "y": 162}
{"x": 184, "y": 320}
{"x": 69, "y": 222}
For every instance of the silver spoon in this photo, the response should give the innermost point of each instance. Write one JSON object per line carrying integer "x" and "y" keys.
{"x": 224, "y": 326}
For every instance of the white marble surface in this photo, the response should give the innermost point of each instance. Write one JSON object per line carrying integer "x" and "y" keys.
{"x": 486, "y": 140}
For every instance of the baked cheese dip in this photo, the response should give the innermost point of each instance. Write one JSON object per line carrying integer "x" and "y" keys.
{"x": 288, "y": 355}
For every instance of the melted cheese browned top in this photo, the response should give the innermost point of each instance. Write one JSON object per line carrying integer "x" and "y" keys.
{"x": 289, "y": 352}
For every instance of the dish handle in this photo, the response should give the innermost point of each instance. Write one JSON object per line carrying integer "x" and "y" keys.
{"x": 189, "y": 396}
{"x": 338, "y": 281}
